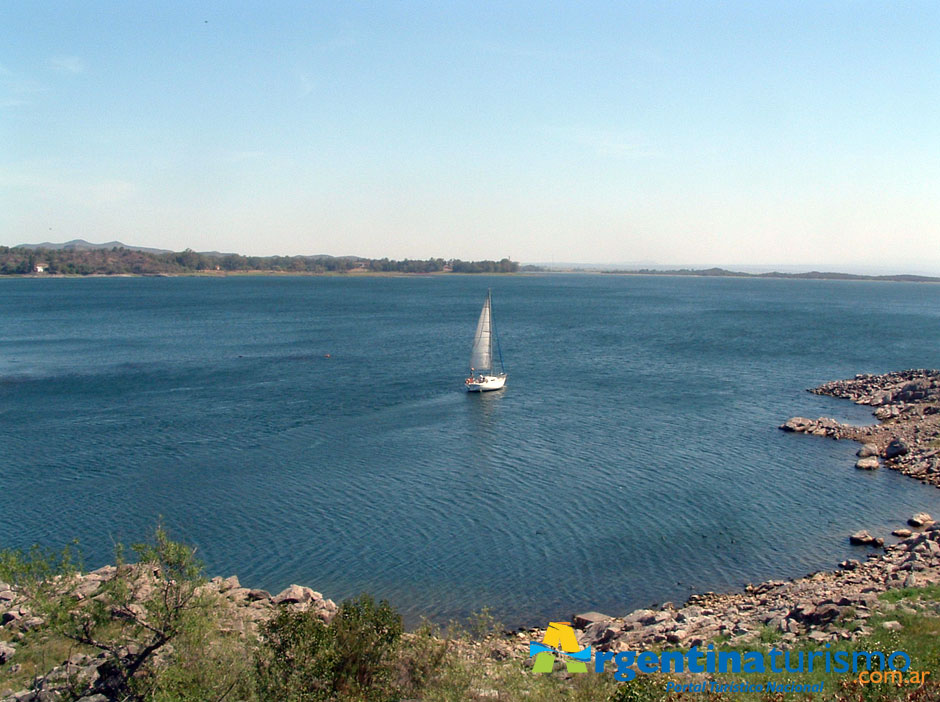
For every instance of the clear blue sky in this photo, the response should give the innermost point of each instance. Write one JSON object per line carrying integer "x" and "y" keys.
{"x": 761, "y": 133}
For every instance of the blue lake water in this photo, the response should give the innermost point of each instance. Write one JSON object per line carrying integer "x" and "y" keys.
{"x": 633, "y": 458}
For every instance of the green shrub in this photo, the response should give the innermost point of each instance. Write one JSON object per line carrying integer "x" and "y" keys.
{"x": 296, "y": 660}
{"x": 367, "y": 636}
{"x": 644, "y": 688}
{"x": 357, "y": 656}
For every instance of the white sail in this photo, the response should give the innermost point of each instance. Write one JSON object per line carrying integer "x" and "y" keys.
{"x": 481, "y": 358}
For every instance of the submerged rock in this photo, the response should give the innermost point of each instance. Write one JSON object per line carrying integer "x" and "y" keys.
{"x": 862, "y": 538}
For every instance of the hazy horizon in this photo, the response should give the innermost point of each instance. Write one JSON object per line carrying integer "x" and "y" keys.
{"x": 599, "y": 265}
{"x": 756, "y": 135}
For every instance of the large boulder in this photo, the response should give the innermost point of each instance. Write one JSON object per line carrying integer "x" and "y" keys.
{"x": 896, "y": 448}
{"x": 862, "y": 538}
{"x": 583, "y": 621}
{"x": 799, "y": 424}
{"x": 296, "y": 594}
{"x": 600, "y": 633}
{"x": 920, "y": 519}
{"x": 914, "y": 390}
{"x": 869, "y": 463}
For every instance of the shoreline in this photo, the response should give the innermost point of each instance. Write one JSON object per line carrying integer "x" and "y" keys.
{"x": 840, "y": 278}
{"x": 257, "y": 274}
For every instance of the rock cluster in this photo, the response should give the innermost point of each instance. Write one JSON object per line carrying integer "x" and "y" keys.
{"x": 822, "y": 607}
{"x": 907, "y": 437}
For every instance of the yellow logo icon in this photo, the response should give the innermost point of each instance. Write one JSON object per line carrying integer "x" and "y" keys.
{"x": 560, "y": 641}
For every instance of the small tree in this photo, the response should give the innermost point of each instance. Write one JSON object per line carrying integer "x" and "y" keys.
{"x": 131, "y": 616}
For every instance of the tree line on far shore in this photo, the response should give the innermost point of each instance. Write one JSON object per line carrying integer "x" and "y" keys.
{"x": 115, "y": 261}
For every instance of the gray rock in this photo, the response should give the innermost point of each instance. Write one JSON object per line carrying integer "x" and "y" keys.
{"x": 920, "y": 519}
{"x": 862, "y": 538}
{"x": 893, "y": 625}
{"x": 238, "y": 594}
{"x": 639, "y": 617}
{"x": 582, "y": 621}
{"x": 867, "y": 450}
{"x": 11, "y": 616}
{"x": 6, "y": 652}
{"x": 913, "y": 391}
{"x": 676, "y": 636}
{"x": 896, "y": 448}
{"x": 297, "y": 594}
{"x": 104, "y": 572}
{"x": 869, "y": 463}
{"x": 903, "y": 533}
{"x": 87, "y": 588}
{"x": 599, "y": 632}
{"x": 799, "y": 424}
{"x": 826, "y": 613}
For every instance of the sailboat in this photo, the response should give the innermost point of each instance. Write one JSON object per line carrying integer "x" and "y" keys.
{"x": 482, "y": 376}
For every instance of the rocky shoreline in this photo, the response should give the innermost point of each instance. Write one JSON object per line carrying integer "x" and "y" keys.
{"x": 821, "y": 607}
{"x": 907, "y": 437}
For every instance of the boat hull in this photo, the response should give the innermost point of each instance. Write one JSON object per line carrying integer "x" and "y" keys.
{"x": 487, "y": 384}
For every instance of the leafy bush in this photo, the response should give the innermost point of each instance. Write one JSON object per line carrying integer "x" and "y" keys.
{"x": 301, "y": 659}
{"x": 644, "y": 688}
{"x": 296, "y": 660}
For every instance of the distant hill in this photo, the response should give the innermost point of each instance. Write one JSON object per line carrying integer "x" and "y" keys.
{"x": 82, "y": 245}
{"x": 812, "y": 275}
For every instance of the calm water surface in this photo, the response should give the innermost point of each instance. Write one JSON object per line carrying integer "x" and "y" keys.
{"x": 633, "y": 458}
